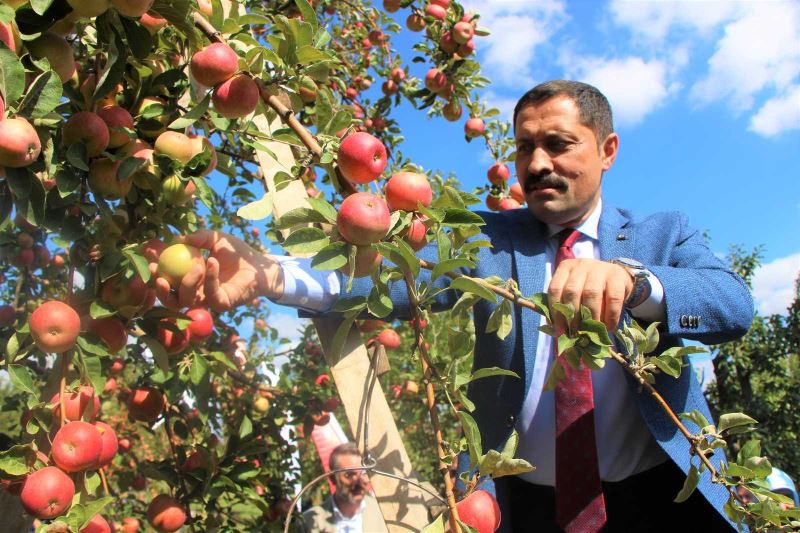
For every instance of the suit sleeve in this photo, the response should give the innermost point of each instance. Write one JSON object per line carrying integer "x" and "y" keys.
{"x": 705, "y": 300}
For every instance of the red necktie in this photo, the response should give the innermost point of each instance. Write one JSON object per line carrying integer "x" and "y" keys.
{"x": 580, "y": 506}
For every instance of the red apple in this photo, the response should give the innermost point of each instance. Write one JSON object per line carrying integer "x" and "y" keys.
{"x": 124, "y": 444}
{"x": 480, "y": 510}
{"x": 200, "y": 144}
{"x": 55, "y": 326}
{"x": 174, "y": 341}
{"x": 416, "y": 234}
{"x": 139, "y": 482}
{"x": 97, "y": 524}
{"x": 236, "y": 97}
{"x": 130, "y": 525}
{"x": 7, "y": 34}
{"x": 498, "y": 173}
{"x": 493, "y": 202}
{"x": 362, "y": 157}
{"x": 109, "y": 444}
{"x": 466, "y": 49}
{"x": 389, "y": 338}
{"x": 202, "y": 323}
{"x": 389, "y": 87}
{"x": 7, "y": 315}
{"x": 166, "y": 514}
{"x": 442, "y": 3}
{"x": 508, "y": 203}
{"x": 80, "y": 404}
{"x": 398, "y": 74}
{"x": 391, "y": 6}
{"x": 368, "y": 325}
{"x": 363, "y": 219}
{"x": 367, "y": 261}
{"x": 435, "y": 80}
{"x": 103, "y": 179}
{"x": 405, "y": 190}
{"x": 153, "y": 22}
{"x": 436, "y": 11}
{"x": 77, "y": 446}
{"x": 88, "y": 128}
{"x": 463, "y": 32}
{"x": 447, "y": 43}
{"x": 117, "y": 366}
{"x": 415, "y": 22}
{"x": 19, "y": 143}
{"x": 126, "y": 296}
{"x": 58, "y": 53}
{"x": 516, "y": 193}
{"x": 322, "y": 380}
{"x": 473, "y": 127}
{"x": 117, "y": 119}
{"x": 452, "y": 110}
{"x": 145, "y": 404}
{"x": 214, "y": 64}
{"x": 47, "y": 493}
{"x": 111, "y": 329}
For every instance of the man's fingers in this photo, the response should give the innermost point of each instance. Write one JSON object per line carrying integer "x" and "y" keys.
{"x": 593, "y": 293}
{"x": 165, "y": 296}
{"x": 205, "y": 239}
{"x": 212, "y": 288}
{"x": 190, "y": 284}
{"x": 614, "y": 302}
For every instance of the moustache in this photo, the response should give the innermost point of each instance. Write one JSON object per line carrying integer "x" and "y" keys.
{"x": 545, "y": 181}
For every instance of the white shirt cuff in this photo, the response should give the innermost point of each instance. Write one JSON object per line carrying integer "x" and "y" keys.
{"x": 653, "y": 309}
{"x": 305, "y": 287}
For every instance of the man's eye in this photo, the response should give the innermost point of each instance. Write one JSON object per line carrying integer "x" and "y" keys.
{"x": 524, "y": 148}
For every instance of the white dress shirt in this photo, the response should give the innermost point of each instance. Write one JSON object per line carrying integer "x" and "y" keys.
{"x": 353, "y": 524}
{"x": 624, "y": 444}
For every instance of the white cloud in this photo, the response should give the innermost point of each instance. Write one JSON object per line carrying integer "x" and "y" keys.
{"x": 518, "y": 27}
{"x": 504, "y": 104}
{"x": 777, "y": 115}
{"x": 653, "y": 21}
{"x": 288, "y": 325}
{"x": 633, "y": 86}
{"x": 773, "y": 284}
{"x": 759, "y": 50}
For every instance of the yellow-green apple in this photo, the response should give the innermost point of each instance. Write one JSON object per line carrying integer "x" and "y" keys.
{"x": 363, "y": 219}
{"x": 109, "y": 444}
{"x": 19, "y": 143}
{"x": 175, "y": 145}
{"x": 362, "y": 157}
{"x": 132, "y": 8}
{"x": 47, "y": 493}
{"x": 205, "y": 7}
{"x": 88, "y": 128}
{"x": 367, "y": 261}
{"x": 176, "y": 191}
{"x": 202, "y": 324}
{"x": 97, "y": 524}
{"x": 126, "y": 296}
{"x": 55, "y": 326}
{"x": 175, "y": 261}
{"x": 89, "y": 8}
{"x": 110, "y": 329}
{"x": 200, "y": 144}
{"x": 77, "y": 446}
{"x": 166, "y": 514}
{"x": 389, "y": 338}
{"x": 117, "y": 119}
{"x": 480, "y": 511}
{"x": 157, "y": 116}
{"x": 307, "y": 90}
{"x": 236, "y": 97}
{"x": 405, "y": 190}
{"x": 473, "y": 127}
{"x": 410, "y": 387}
{"x": 103, "y": 179}
{"x": 145, "y": 404}
{"x": 214, "y": 64}
{"x": 78, "y": 405}
{"x": 498, "y": 173}
{"x": 58, "y": 53}
{"x": 261, "y": 404}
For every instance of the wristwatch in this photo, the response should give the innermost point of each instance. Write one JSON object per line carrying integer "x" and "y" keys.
{"x": 641, "y": 280}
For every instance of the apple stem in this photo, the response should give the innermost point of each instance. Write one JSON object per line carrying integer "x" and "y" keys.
{"x": 430, "y": 403}
{"x": 102, "y": 473}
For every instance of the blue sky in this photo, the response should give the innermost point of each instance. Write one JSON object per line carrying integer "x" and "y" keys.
{"x": 706, "y": 98}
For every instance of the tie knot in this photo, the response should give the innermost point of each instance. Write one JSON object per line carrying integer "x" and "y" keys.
{"x": 568, "y": 237}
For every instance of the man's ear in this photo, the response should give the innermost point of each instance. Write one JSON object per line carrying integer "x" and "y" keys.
{"x": 608, "y": 150}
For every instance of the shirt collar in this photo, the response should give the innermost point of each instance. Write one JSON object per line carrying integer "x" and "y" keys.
{"x": 588, "y": 227}
{"x": 340, "y": 515}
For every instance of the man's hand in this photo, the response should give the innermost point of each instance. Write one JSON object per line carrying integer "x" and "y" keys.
{"x": 234, "y": 273}
{"x": 601, "y": 286}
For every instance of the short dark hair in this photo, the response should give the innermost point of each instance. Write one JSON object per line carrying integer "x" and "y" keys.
{"x": 594, "y": 109}
{"x": 348, "y": 448}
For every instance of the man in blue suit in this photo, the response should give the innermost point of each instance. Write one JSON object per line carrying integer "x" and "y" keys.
{"x": 607, "y": 456}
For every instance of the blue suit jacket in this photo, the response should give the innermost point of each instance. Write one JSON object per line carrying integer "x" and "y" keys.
{"x": 705, "y": 301}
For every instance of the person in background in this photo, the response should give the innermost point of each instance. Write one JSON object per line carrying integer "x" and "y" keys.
{"x": 780, "y": 482}
{"x": 351, "y": 508}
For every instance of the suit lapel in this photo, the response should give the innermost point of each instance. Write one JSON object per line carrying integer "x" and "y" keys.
{"x": 615, "y": 239}
{"x": 529, "y": 241}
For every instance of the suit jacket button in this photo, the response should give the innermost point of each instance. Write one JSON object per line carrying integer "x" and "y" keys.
{"x": 510, "y": 421}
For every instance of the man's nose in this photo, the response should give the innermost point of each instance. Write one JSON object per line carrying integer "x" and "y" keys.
{"x": 540, "y": 162}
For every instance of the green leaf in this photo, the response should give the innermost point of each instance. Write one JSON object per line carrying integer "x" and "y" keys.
{"x": 139, "y": 263}
{"x": 76, "y": 156}
{"x": 461, "y": 217}
{"x": 541, "y": 302}
{"x": 93, "y": 369}
{"x": 22, "y": 379}
{"x": 308, "y": 13}
{"x": 158, "y": 351}
{"x": 473, "y": 436}
{"x": 100, "y": 309}
{"x": 324, "y": 208}
{"x": 308, "y": 54}
{"x": 566, "y": 310}
{"x": 498, "y": 464}
{"x": 437, "y": 526}
{"x": 652, "y": 337}
{"x": 501, "y": 320}
{"x": 40, "y": 6}
{"x": 138, "y": 38}
{"x": 298, "y": 217}
{"x": 467, "y": 284}
{"x": 42, "y": 96}
{"x": 451, "y": 265}
{"x": 331, "y": 257}
{"x": 598, "y": 331}
{"x": 257, "y": 210}
{"x": 116, "y": 60}
{"x": 751, "y": 448}
{"x": 192, "y": 116}
{"x": 204, "y": 192}
{"x": 669, "y": 365}
{"x": 245, "y": 428}
{"x": 732, "y": 420}
{"x": 689, "y": 485}
{"x": 14, "y": 461}
{"x": 760, "y": 466}
{"x": 349, "y": 305}
{"x": 697, "y": 417}
{"x": 306, "y": 240}
{"x": 341, "y": 335}
{"x": 199, "y": 370}
{"x": 557, "y": 373}
{"x": 221, "y": 357}
{"x": 12, "y": 75}
{"x": 378, "y": 302}
{"x": 492, "y": 371}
